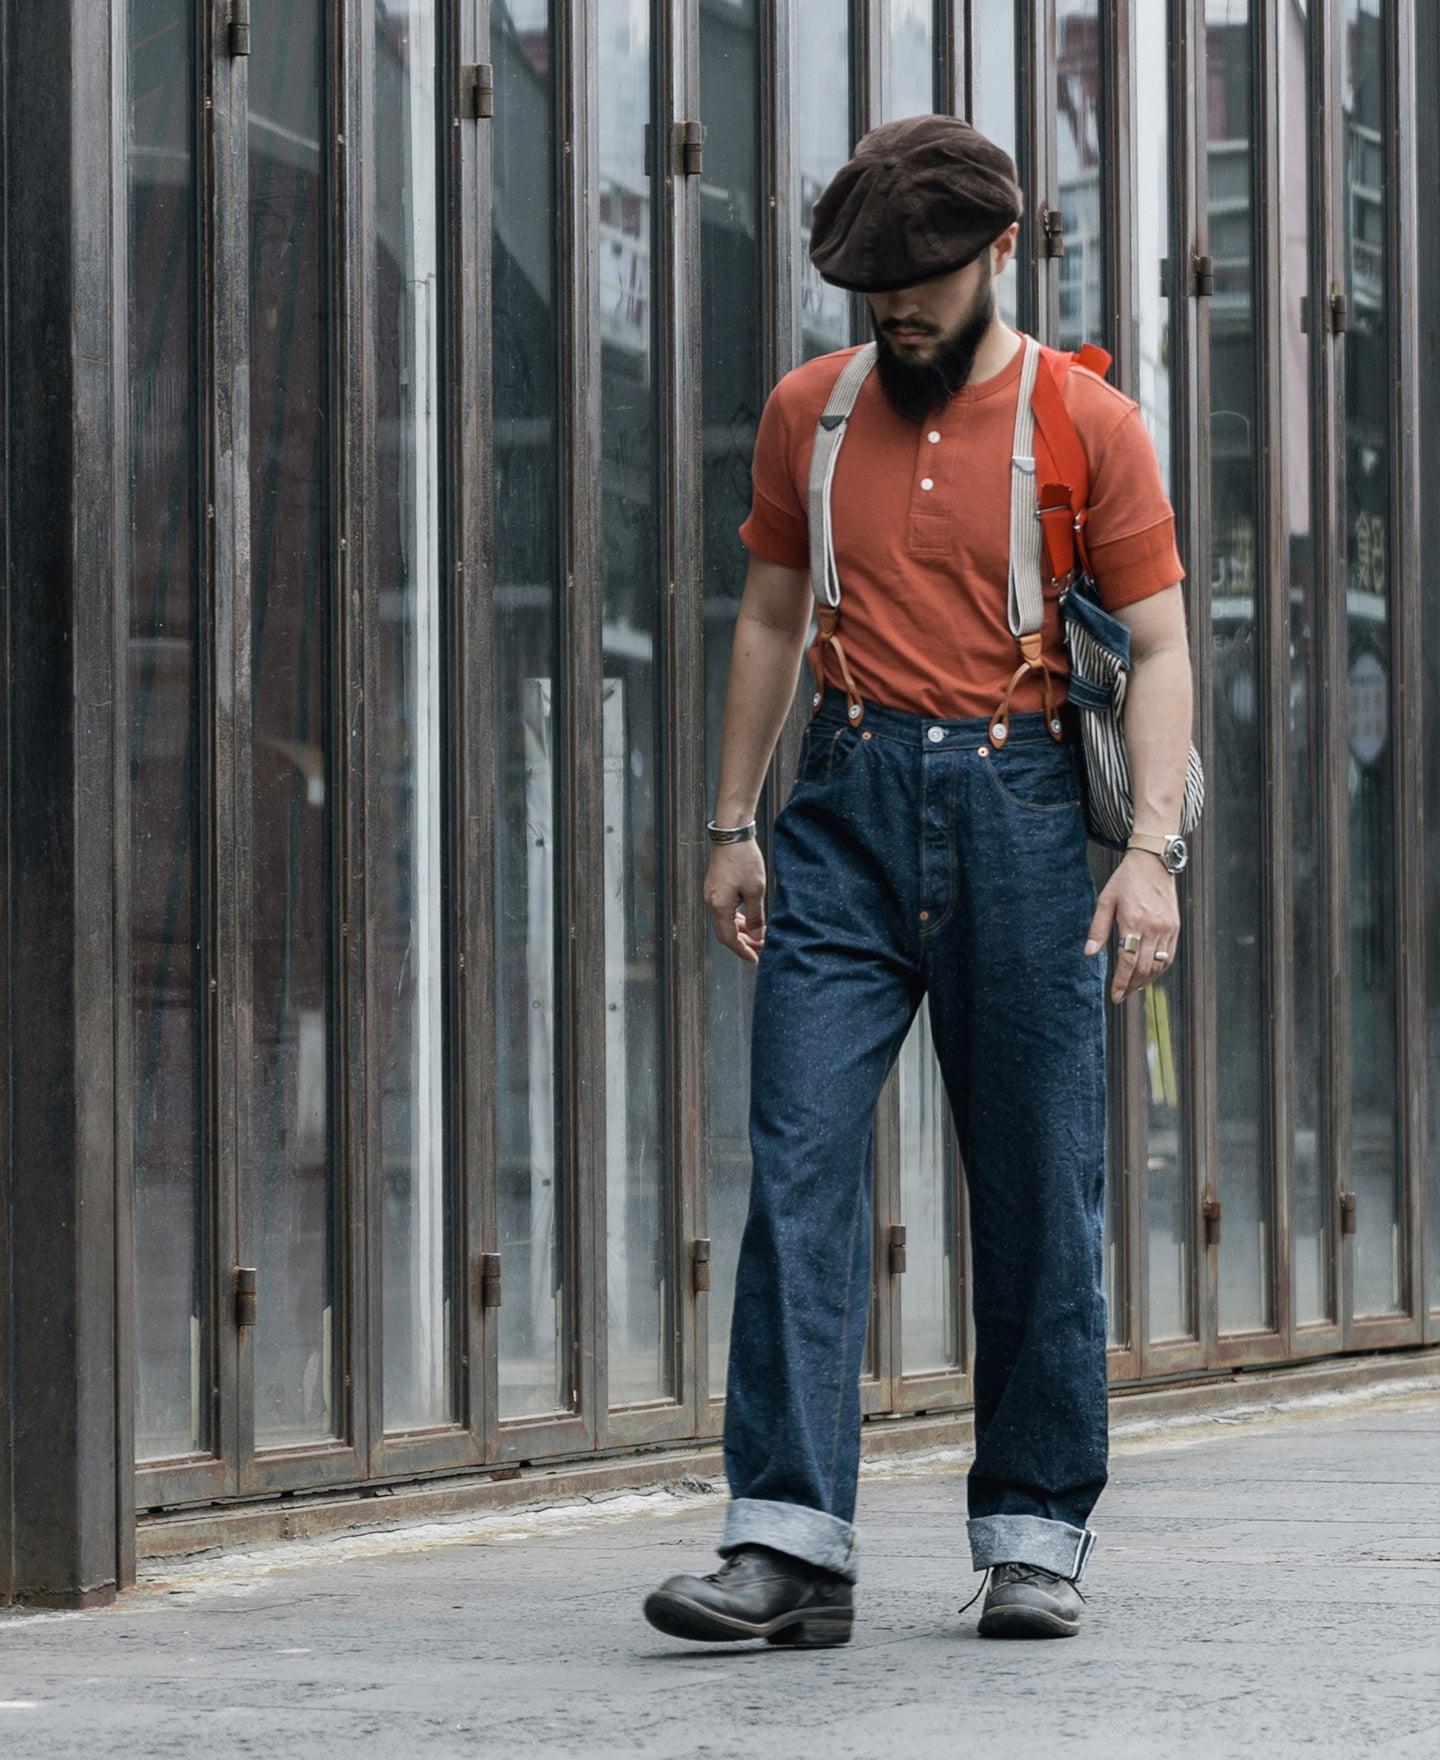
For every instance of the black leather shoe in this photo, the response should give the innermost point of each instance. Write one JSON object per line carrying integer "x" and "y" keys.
{"x": 1027, "y": 1601}
{"x": 757, "y": 1593}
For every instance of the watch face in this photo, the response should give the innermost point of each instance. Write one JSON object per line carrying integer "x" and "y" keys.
{"x": 1176, "y": 854}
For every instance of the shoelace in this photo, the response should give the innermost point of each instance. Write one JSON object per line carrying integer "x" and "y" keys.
{"x": 1020, "y": 1573}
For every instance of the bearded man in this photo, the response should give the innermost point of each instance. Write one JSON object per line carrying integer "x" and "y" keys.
{"x": 933, "y": 848}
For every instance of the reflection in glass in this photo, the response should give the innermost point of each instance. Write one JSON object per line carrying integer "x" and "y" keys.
{"x": 1168, "y": 1204}
{"x": 524, "y": 311}
{"x": 1374, "y": 1160}
{"x": 1235, "y": 839}
{"x": 732, "y": 394}
{"x": 290, "y": 1168}
{"x": 910, "y": 83}
{"x": 1079, "y": 136}
{"x": 405, "y": 830}
{"x": 820, "y": 120}
{"x": 641, "y": 1291}
{"x": 1310, "y": 1201}
{"x": 993, "y": 71}
{"x": 166, "y": 636}
{"x": 930, "y": 1331}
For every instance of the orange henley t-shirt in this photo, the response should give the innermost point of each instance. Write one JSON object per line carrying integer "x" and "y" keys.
{"x": 921, "y": 520}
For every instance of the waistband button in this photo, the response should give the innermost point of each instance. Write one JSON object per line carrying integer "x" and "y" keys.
{"x": 936, "y": 735}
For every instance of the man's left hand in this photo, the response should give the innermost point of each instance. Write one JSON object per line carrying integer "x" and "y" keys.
{"x": 1139, "y": 898}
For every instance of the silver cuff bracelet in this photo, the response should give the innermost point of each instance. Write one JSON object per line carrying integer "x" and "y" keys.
{"x": 730, "y": 833}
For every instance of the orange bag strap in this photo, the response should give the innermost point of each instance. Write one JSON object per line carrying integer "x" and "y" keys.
{"x": 1064, "y": 492}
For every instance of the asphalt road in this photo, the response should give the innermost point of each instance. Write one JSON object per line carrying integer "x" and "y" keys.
{"x": 1259, "y": 1589}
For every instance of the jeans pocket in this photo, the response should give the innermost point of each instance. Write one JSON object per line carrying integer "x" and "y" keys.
{"x": 825, "y": 751}
{"x": 1038, "y": 776}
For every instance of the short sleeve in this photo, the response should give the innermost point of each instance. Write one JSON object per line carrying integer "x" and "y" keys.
{"x": 1131, "y": 525}
{"x": 777, "y": 527}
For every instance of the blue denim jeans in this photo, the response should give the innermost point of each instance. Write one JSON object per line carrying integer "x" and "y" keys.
{"x": 913, "y": 859}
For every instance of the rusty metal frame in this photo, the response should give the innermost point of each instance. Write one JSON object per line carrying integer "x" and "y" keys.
{"x": 1267, "y": 1344}
{"x": 1319, "y": 1338}
{"x": 1406, "y": 745}
{"x": 674, "y": 89}
{"x": 580, "y": 938}
{"x": 1190, "y": 494}
{"x": 223, "y": 296}
{"x": 779, "y": 258}
{"x": 343, "y": 1457}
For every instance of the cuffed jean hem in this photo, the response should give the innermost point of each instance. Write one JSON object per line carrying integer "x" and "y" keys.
{"x": 811, "y": 1534}
{"x": 1054, "y": 1546}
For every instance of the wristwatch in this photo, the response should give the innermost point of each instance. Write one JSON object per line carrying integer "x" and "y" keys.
{"x": 1170, "y": 848}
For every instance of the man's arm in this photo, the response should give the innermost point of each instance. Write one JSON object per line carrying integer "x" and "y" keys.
{"x": 1141, "y": 895}
{"x": 765, "y": 658}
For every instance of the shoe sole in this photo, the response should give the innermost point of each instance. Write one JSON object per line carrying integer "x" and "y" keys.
{"x": 807, "y": 1628}
{"x": 1026, "y": 1622}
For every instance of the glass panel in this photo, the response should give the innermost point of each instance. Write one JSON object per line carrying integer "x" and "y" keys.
{"x": 1236, "y": 830}
{"x": 1428, "y": 117}
{"x": 732, "y": 205}
{"x": 641, "y": 1291}
{"x": 911, "y": 84}
{"x": 1168, "y": 1193}
{"x": 1311, "y": 1201}
{"x": 929, "y": 1187}
{"x": 993, "y": 72}
{"x": 1079, "y": 148}
{"x": 930, "y": 1332}
{"x": 524, "y": 307}
{"x": 1375, "y": 1163}
{"x": 405, "y": 831}
{"x": 820, "y": 119}
{"x": 289, "y": 1205}
{"x": 167, "y": 924}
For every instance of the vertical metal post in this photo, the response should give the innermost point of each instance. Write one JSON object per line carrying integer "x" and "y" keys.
{"x": 65, "y": 613}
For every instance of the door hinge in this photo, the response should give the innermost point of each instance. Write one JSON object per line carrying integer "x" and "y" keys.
{"x": 477, "y": 88}
{"x": 692, "y": 150}
{"x": 237, "y": 29}
{"x": 1052, "y": 232}
{"x": 487, "y": 1268}
{"x": 1202, "y": 275}
{"x": 1347, "y": 1212}
{"x": 246, "y": 1295}
{"x": 1339, "y": 314}
{"x": 1210, "y": 1210}
{"x": 897, "y": 1248}
{"x": 699, "y": 1265}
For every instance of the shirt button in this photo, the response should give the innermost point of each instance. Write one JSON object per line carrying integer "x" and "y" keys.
{"x": 933, "y": 435}
{"x": 927, "y": 482}
{"x": 936, "y": 735}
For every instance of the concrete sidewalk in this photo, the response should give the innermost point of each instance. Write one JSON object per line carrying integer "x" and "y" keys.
{"x": 1260, "y": 1589}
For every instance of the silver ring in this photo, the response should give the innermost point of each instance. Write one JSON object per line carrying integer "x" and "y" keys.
{"x": 1160, "y": 953}
{"x": 1130, "y": 943}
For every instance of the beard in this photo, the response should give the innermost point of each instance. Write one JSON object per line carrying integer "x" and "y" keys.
{"x": 917, "y": 388}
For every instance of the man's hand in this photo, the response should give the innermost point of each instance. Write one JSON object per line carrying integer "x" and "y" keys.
{"x": 1139, "y": 896}
{"x": 735, "y": 897}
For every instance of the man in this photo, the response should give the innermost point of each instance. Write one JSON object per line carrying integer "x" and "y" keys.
{"x": 920, "y": 855}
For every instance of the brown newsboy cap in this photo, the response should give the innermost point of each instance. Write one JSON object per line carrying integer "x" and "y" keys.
{"x": 918, "y": 198}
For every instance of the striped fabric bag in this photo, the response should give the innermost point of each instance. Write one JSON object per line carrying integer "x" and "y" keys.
{"x": 1099, "y": 647}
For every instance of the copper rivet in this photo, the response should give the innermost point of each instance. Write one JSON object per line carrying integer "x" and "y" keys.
{"x": 924, "y": 916}
{"x": 984, "y": 751}
{"x": 867, "y": 734}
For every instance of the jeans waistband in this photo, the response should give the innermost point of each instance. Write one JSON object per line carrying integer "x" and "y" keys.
{"x": 917, "y": 730}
